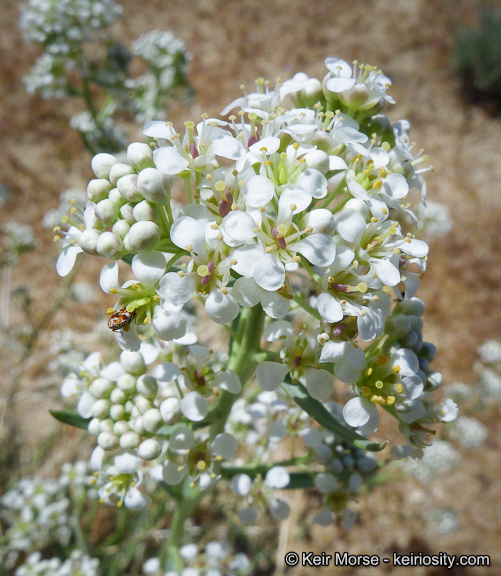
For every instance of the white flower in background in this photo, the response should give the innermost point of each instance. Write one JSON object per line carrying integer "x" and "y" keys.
{"x": 260, "y": 493}
{"x": 189, "y": 455}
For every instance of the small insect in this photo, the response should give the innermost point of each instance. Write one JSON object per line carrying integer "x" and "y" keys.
{"x": 121, "y": 319}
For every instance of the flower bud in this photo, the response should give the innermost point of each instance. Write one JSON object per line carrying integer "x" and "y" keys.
{"x": 106, "y": 212}
{"x": 414, "y": 306}
{"x": 107, "y": 440}
{"x": 144, "y": 211}
{"x": 88, "y": 241}
{"x": 149, "y": 449}
{"x": 322, "y": 140}
{"x": 358, "y": 205}
{"x": 100, "y": 408}
{"x": 153, "y": 185}
{"x": 147, "y": 386}
{"x": 126, "y": 213}
{"x": 317, "y": 159}
{"x": 321, "y": 220}
{"x": 152, "y": 420}
{"x": 133, "y": 362}
{"x": 115, "y": 196}
{"x": 93, "y": 427}
{"x": 98, "y": 190}
{"x": 170, "y": 409}
{"x": 169, "y": 325}
{"x": 120, "y": 427}
{"x": 130, "y": 440}
{"x": 117, "y": 411}
{"x": 110, "y": 246}
{"x": 106, "y": 425}
{"x": 140, "y": 156}
{"x": 121, "y": 228}
{"x": 101, "y": 164}
{"x": 127, "y": 186}
{"x": 118, "y": 170}
{"x": 144, "y": 236}
{"x": 137, "y": 425}
{"x": 142, "y": 404}
{"x": 312, "y": 92}
{"x": 127, "y": 383}
{"x": 398, "y": 325}
{"x": 101, "y": 388}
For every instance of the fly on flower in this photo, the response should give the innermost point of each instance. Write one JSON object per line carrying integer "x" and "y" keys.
{"x": 121, "y": 319}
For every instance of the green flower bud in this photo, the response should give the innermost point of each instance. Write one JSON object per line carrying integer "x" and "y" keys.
{"x": 88, "y": 241}
{"x": 110, "y": 246}
{"x": 98, "y": 190}
{"x": 121, "y": 228}
{"x": 127, "y": 186}
{"x": 101, "y": 164}
{"x": 144, "y": 236}
{"x": 107, "y": 212}
{"x": 101, "y": 388}
{"x": 149, "y": 449}
{"x": 153, "y": 185}
{"x": 118, "y": 170}
{"x": 140, "y": 156}
{"x": 144, "y": 211}
{"x": 147, "y": 386}
{"x": 133, "y": 362}
{"x": 107, "y": 440}
{"x": 130, "y": 440}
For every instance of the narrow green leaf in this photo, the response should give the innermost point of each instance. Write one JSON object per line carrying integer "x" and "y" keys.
{"x": 71, "y": 417}
{"x": 320, "y": 414}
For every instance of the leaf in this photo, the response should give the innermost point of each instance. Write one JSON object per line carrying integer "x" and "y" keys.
{"x": 320, "y": 414}
{"x": 71, "y": 417}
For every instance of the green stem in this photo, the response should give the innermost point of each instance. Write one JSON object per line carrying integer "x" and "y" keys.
{"x": 243, "y": 361}
{"x": 169, "y": 555}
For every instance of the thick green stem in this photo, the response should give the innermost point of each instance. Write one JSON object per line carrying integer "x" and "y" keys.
{"x": 243, "y": 361}
{"x": 170, "y": 557}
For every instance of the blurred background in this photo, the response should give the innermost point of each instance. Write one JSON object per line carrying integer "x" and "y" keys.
{"x": 231, "y": 43}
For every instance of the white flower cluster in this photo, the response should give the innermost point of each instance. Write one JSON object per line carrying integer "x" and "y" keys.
{"x": 217, "y": 559}
{"x": 285, "y": 209}
{"x": 37, "y": 513}
{"x": 77, "y": 565}
{"x": 62, "y": 24}
{"x": 167, "y": 60}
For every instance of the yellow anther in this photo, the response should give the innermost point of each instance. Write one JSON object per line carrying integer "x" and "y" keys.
{"x": 220, "y": 237}
{"x": 113, "y": 291}
{"x": 223, "y": 290}
{"x": 390, "y": 400}
{"x": 396, "y": 369}
{"x": 399, "y": 388}
{"x": 233, "y": 262}
{"x": 377, "y": 399}
{"x": 214, "y": 226}
{"x": 188, "y": 248}
{"x": 369, "y": 371}
{"x": 293, "y": 207}
{"x": 180, "y": 274}
{"x": 297, "y": 258}
{"x": 56, "y": 238}
{"x": 376, "y": 185}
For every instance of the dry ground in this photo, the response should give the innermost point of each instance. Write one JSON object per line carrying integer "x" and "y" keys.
{"x": 234, "y": 42}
